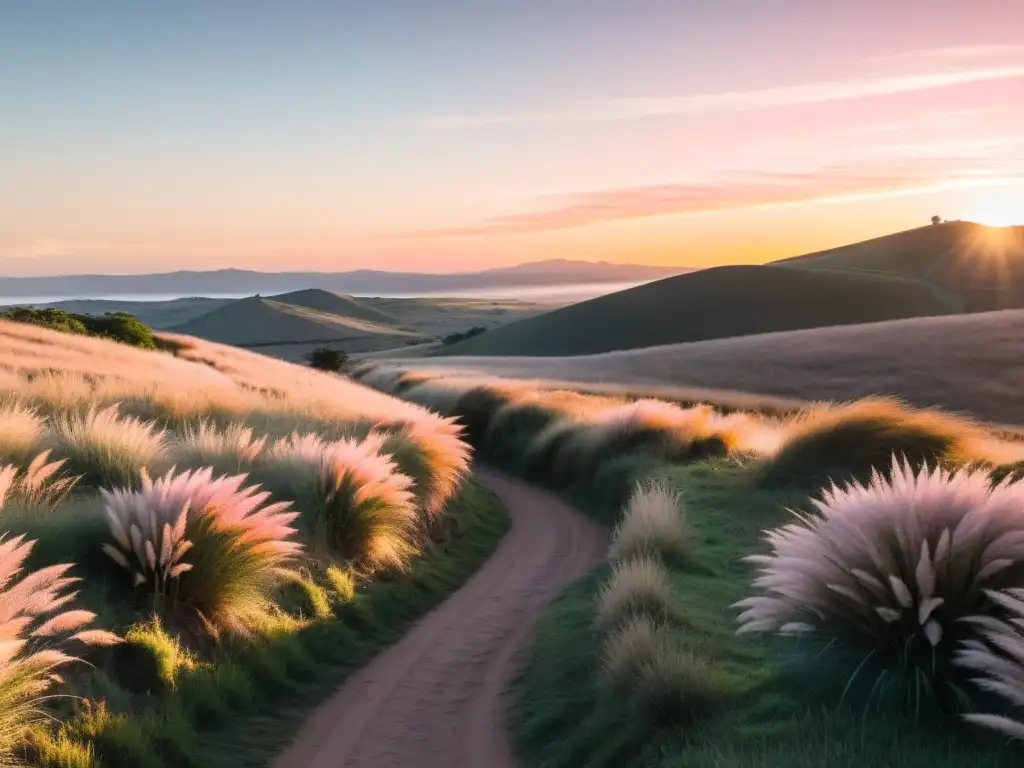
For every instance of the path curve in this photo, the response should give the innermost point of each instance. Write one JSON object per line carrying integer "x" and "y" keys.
{"x": 437, "y": 697}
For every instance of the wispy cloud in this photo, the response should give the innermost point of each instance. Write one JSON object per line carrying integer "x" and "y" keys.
{"x": 731, "y": 101}
{"x": 757, "y": 190}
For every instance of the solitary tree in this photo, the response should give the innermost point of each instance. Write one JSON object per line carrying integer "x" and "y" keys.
{"x": 936, "y": 220}
{"x": 325, "y": 359}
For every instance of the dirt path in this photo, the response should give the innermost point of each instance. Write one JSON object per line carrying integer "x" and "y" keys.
{"x": 436, "y": 698}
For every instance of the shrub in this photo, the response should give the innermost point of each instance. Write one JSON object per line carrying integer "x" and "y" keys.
{"x": 32, "y": 625}
{"x": 108, "y": 450}
{"x": 353, "y": 500}
{"x": 21, "y": 432}
{"x": 118, "y": 326}
{"x": 998, "y": 655}
{"x": 891, "y": 568}
{"x": 850, "y": 441}
{"x": 201, "y": 543}
{"x": 325, "y": 359}
{"x": 640, "y": 585}
{"x": 652, "y": 524}
{"x": 230, "y": 450}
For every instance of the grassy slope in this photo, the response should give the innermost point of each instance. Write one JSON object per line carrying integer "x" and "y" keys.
{"x": 770, "y": 718}
{"x": 966, "y": 363}
{"x": 336, "y": 304}
{"x": 709, "y": 304}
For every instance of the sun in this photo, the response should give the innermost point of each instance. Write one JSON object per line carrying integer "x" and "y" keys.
{"x": 998, "y": 208}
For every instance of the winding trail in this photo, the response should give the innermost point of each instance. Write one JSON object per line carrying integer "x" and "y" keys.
{"x": 436, "y": 699}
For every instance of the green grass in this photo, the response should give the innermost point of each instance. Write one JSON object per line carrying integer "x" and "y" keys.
{"x": 776, "y": 708}
{"x": 245, "y": 705}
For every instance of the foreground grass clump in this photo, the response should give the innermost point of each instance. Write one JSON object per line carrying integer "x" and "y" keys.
{"x": 850, "y": 441}
{"x": 21, "y": 432}
{"x": 229, "y": 450}
{"x": 354, "y": 501}
{"x": 107, "y": 449}
{"x": 652, "y": 524}
{"x": 33, "y": 626}
{"x": 205, "y": 545}
{"x": 892, "y": 569}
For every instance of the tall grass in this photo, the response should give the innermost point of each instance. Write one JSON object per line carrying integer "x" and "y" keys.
{"x": 34, "y": 625}
{"x": 636, "y": 586}
{"x": 354, "y": 502}
{"x": 107, "y": 449}
{"x": 231, "y": 449}
{"x": 203, "y": 544}
{"x": 892, "y": 568}
{"x": 21, "y": 432}
{"x": 40, "y": 487}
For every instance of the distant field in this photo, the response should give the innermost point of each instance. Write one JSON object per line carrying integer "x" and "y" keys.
{"x": 972, "y": 363}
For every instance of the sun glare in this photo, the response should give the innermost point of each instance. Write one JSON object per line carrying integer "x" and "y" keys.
{"x": 999, "y": 209}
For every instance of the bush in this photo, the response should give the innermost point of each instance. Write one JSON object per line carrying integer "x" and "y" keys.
{"x": 325, "y": 359}
{"x": 652, "y": 524}
{"x": 454, "y": 338}
{"x": 117, "y": 326}
{"x": 891, "y": 569}
{"x": 204, "y": 544}
{"x": 998, "y": 655}
{"x": 107, "y": 449}
{"x": 637, "y": 586}
{"x": 848, "y": 442}
{"x": 354, "y": 502}
{"x": 32, "y": 625}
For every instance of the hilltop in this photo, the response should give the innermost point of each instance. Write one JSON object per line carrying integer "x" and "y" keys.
{"x": 936, "y": 270}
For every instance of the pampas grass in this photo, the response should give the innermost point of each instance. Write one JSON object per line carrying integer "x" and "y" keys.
{"x": 202, "y": 543}
{"x": 353, "y": 500}
{"x": 890, "y": 569}
{"x": 33, "y": 624}
{"x": 21, "y": 432}
{"x": 228, "y": 450}
{"x": 627, "y": 648}
{"x": 637, "y": 586}
{"x": 107, "y": 449}
{"x": 652, "y": 524}
{"x": 41, "y": 487}
{"x": 998, "y": 656}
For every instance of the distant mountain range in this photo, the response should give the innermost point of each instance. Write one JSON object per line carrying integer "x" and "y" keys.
{"x": 363, "y": 281}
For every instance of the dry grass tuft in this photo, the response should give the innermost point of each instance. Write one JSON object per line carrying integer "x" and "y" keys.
{"x": 637, "y": 586}
{"x": 652, "y": 524}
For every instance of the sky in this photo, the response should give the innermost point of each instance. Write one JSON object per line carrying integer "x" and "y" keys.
{"x": 453, "y": 135}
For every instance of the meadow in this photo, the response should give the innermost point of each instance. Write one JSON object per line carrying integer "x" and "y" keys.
{"x": 199, "y": 542}
{"x": 841, "y": 584}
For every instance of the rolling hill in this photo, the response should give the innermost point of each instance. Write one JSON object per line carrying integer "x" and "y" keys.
{"x": 945, "y": 269}
{"x": 972, "y": 363}
{"x": 712, "y": 303}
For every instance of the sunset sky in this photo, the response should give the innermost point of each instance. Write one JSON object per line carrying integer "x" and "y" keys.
{"x": 444, "y": 136}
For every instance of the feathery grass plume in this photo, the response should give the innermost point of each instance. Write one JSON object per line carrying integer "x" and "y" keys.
{"x": 998, "y": 656}
{"x": 107, "y": 449}
{"x": 890, "y": 568}
{"x": 203, "y": 543}
{"x": 33, "y": 624}
{"x": 850, "y": 441}
{"x": 436, "y": 460}
{"x": 627, "y": 648}
{"x": 353, "y": 500}
{"x": 21, "y": 431}
{"x": 652, "y": 524}
{"x": 546, "y": 457}
{"x": 41, "y": 486}
{"x": 639, "y": 585}
{"x": 230, "y": 450}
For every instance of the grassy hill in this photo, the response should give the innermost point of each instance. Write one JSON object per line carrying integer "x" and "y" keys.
{"x": 949, "y": 268}
{"x": 287, "y": 328}
{"x": 337, "y": 304}
{"x": 709, "y": 304}
{"x": 969, "y": 363}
